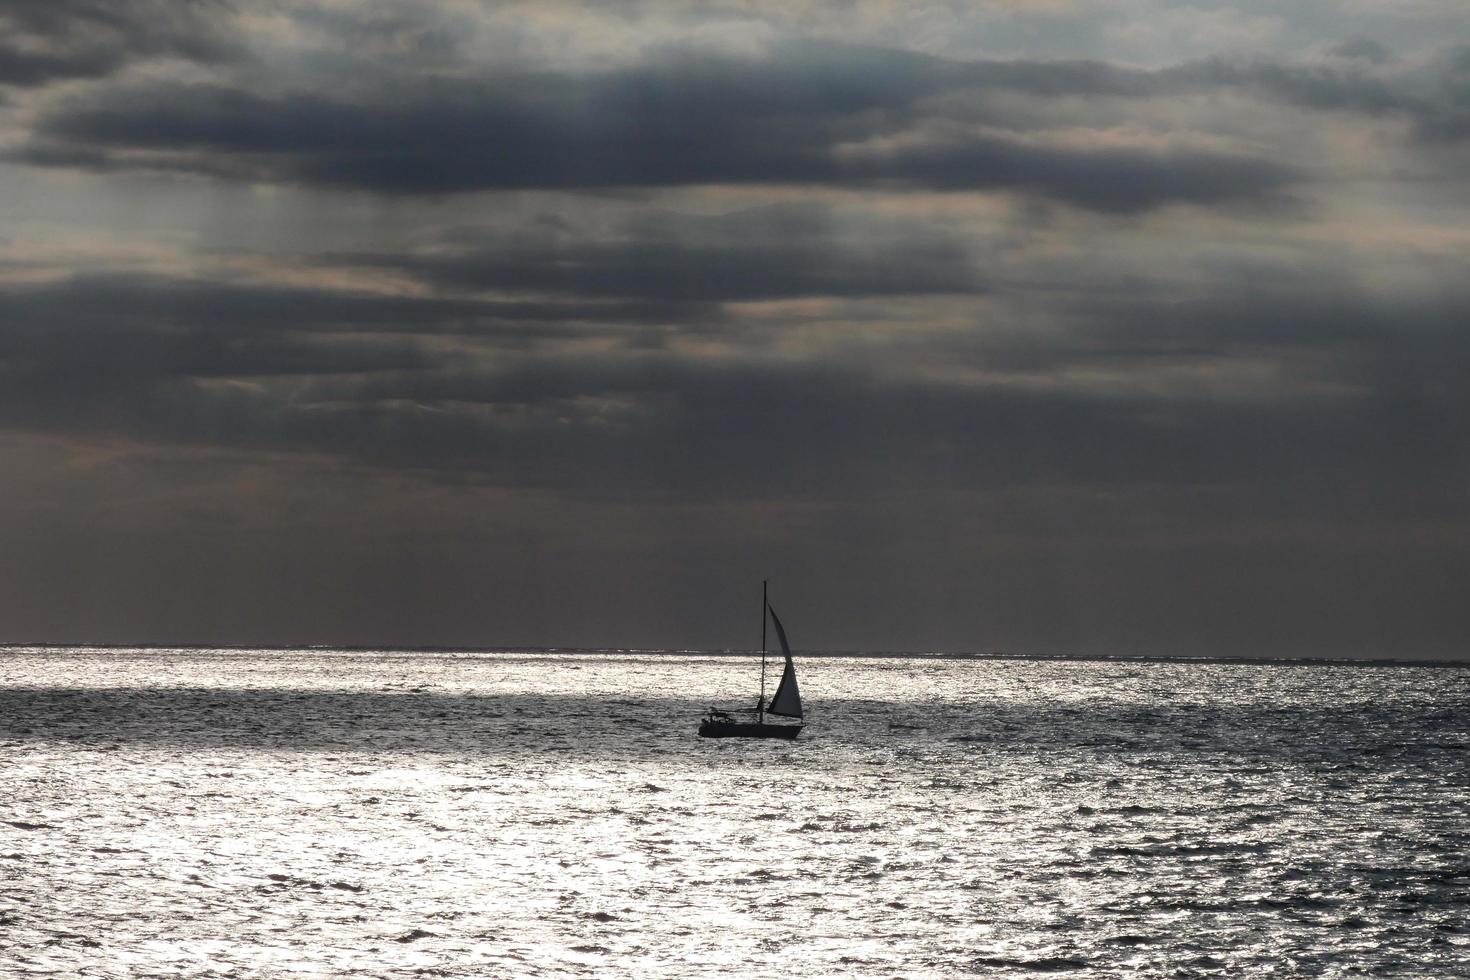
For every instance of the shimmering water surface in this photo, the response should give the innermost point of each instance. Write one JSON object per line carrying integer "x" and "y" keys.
{"x": 192, "y": 813}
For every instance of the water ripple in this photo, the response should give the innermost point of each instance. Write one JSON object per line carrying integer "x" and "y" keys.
{"x": 188, "y": 813}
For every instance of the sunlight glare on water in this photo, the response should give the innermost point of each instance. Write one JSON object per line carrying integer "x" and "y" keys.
{"x": 193, "y": 813}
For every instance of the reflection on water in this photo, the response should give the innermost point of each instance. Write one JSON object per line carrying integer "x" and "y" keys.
{"x": 206, "y": 813}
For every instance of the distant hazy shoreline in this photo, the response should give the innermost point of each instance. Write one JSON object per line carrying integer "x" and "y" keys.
{"x": 828, "y": 654}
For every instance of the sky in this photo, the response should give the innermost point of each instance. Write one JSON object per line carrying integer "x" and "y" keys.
{"x": 1119, "y": 327}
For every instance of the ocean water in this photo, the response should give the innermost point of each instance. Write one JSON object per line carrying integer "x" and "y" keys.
{"x": 309, "y": 813}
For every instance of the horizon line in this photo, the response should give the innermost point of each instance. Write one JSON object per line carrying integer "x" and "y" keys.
{"x": 1264, "y": 659}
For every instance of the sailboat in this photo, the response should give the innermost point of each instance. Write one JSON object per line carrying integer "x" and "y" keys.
{"x": 786, "y": 702}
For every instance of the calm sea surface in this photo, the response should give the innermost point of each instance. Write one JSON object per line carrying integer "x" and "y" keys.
{"x": 207, "y": 813}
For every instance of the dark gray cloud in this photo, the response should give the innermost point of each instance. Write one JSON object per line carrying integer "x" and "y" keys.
{"x": 1332, "y": 86}
{"x": 662, "y": 268}
{"x": 760, "y": 254}
{"x": 105, "y": 301}
{"x": 1361, "y": 77}
{"x": 655, "y": 425}
{"x": 1446, "y": 118}
{"x": 247, "y": 364}
{"x": 1363, "y": 49}
{"x": 1433, "y": 97}
{"x": 1101, "y": 179}
{"x": 49, "y": 40}
{"x": 807, "y": 116}
{"x": 286, "y": 370}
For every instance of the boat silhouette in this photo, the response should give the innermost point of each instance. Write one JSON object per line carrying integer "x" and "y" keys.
{"x": 785, "y": 703}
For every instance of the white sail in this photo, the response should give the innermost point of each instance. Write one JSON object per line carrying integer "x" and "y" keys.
{"x": 787, "y": 699}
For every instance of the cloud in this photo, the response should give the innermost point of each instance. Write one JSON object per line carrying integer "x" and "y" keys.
{"x": 399, "y": 382}
{"x": 1109, "y": 179}
{"x": 1362, "y": 48}
{"x": 1446, "y": 118}
{"x": 106, "y": 301}
{"x": 1432, "y": 95}
{"x": 49, "y": 40}
{"x": 806, "y": 115}
{"x": 1350, "y": 88}
{"x": 549, "y": 291}
{"x": 450, "y": 370}
{"x": 779, "y": 252}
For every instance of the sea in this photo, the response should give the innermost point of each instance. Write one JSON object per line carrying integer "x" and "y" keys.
{"x": 200, "y": 813}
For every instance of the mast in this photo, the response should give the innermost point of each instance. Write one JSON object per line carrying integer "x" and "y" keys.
{"x": 761, "y": 704}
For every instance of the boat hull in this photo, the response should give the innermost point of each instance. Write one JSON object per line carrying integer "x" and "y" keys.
{"x": 746, "y": 729}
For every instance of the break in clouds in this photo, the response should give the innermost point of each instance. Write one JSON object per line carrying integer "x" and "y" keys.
{"x": 1042, "y": 300}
